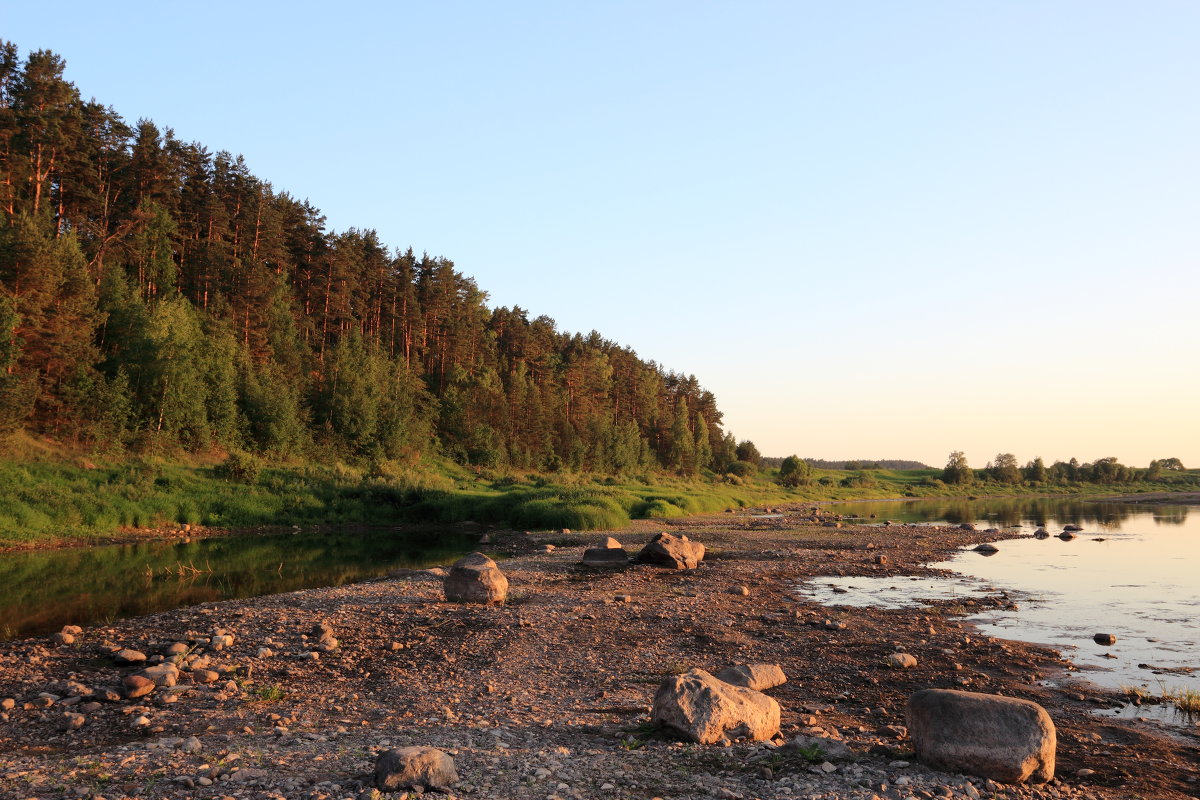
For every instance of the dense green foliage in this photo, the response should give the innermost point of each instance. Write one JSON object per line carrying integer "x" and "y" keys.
{"x": 1103, "y": 471}
{"x": 156, "y": 296}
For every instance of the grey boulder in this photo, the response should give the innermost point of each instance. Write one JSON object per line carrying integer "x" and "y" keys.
{"x": 475, "y": 578}
{"x": 674, "y": 552}
{"x": 698, "y": 707}
{"x": 605, "y": 557}
{"x": 414, "y": 767}
{"x": 1005, "y": 739}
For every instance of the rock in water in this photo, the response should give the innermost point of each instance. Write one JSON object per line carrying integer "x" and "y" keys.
{"x": 986, "y": 549}
{"x": 1105, "y": 638}
{"x": 706, "y": 710}
{"x": 475, "y": 578}
{"x": 666, "y": 550}
{"x": 605, "y": 557}
{"x": 413, "y": 768}
{"x": 758, "y": 677}
{"x": 1001, "y": 738}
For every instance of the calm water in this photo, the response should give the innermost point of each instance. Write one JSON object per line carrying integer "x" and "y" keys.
{"x": 1141, "y": 582}
{"x": 42, "y": 591}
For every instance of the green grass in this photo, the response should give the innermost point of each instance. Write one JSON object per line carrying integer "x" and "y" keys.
{"x": 269, "y": 694}
{"x": 46, "y": 499}
{"x": 1186, "y": 700}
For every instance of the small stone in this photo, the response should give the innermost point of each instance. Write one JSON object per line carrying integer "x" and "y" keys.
{"x": 1104, "y": 639}
{"x": 126, "y": 657}
{"x": 264, "y": 652}
{"x": 205, "y": 675}
{"x": 62, "y": 639}
{"x": 176, "y": 649}
{"x": 623, "y": 598}
{"x": 742, "y": 590}
{"x": 191, "y": 744}
{"x": 901, "y": 661}
{"x": 1085, "y": 773}
{"x": 8, "y": 704}
{"x": 141, "y": 722}
{"x": 74, "y": 630}
{"x": 137, "y": 686}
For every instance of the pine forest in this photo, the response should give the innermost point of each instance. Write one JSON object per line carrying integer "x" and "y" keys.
{"x": 156, "y": 296}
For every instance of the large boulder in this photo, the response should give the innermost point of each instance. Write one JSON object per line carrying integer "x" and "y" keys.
{"x": 701, "y": 708}
{"x": 605, "y": 557}
{"x": 675, "y": 552}
{"x": 475, "y": 578}
{"x": 1002, "y": 738}
{"x": 758, "y": 677}
{"x": 414, "y": 767}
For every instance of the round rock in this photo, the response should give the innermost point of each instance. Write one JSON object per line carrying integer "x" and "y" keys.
{"x": 475, "y": 578}
{"x": 413, "y": 768}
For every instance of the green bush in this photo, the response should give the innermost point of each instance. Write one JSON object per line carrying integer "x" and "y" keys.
{"x": 240, "y": 467}
{"x": 742, "y": 469}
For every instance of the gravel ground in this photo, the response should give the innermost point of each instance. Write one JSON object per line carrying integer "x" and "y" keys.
{"x": 549, "y": 695}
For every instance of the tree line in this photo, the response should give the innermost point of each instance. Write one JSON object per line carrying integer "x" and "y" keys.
{"x": 154, "y": 294}
{"x": 1005, "y": 468}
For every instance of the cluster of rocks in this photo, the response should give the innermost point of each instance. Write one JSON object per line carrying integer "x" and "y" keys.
{"x": 1003, "y": 739}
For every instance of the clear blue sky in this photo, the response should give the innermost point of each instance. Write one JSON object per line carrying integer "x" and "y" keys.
{"x": 872, "y": 229}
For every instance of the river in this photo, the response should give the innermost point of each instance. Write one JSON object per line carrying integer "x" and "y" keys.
{"x": 1133, "y": 571}
{"x": 40, "y": 591}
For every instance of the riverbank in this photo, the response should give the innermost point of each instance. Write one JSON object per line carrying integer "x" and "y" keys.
{"x": 549, "y": 695}
{"x": 59, "y": 502}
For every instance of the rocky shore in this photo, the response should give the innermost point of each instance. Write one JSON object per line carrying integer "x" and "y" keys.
{"x": 549, "y": 694}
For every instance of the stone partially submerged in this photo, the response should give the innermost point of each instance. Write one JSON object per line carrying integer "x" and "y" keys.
{"x": 415, "y": 768}
{"x": 675, "y": 552}
{"x": 701, "y": 708}
{"x": 475, "y": 578}
{"x": 1002, "y": 738}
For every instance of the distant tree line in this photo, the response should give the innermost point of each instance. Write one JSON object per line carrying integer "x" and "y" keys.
{"x": 822, "y": 463}
{"x": 1005, "y": 469}
{"x": 156, "y": 294}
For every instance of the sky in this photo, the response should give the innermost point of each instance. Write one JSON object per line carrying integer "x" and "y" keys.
{"x": 871, "y": 229}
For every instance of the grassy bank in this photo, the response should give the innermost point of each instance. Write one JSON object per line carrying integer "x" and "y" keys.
{"x": 44, "y": 501}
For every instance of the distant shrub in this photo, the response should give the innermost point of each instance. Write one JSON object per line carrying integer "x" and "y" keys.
{"x": 935, "y": 483}
{"x": 659, "y": 509}
{"x": 742, "y": 469}
{"x": 240, "y": 467}
{"x": 862, "y": 480}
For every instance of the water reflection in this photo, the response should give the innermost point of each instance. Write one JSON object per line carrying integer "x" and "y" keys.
{"x": 1024, "y": 511}
{"x": 41, "y": 591}
{"x": 1131, "y": 572}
